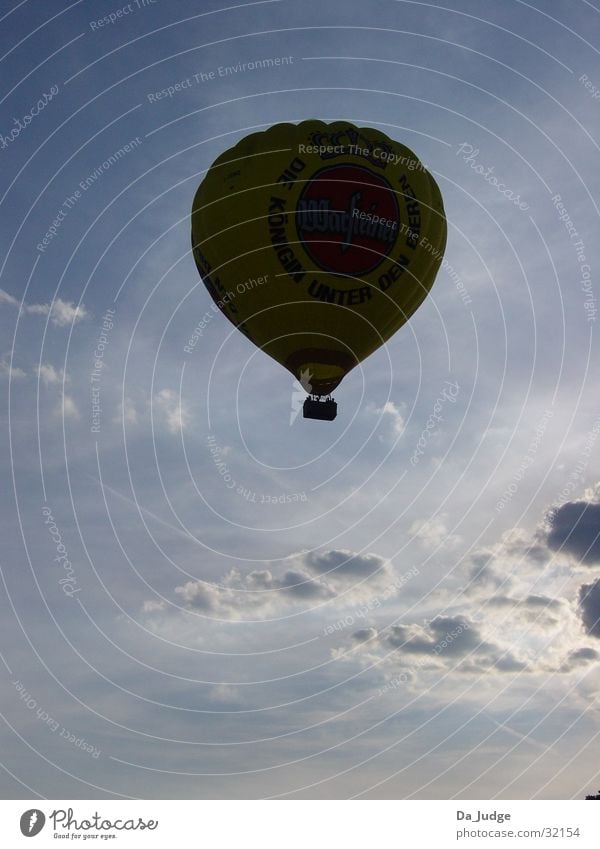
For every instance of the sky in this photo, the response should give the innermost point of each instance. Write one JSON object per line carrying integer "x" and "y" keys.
{"x": 384, "y": 606}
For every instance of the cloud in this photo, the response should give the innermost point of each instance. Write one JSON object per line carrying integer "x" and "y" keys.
{"x": 50, "y": 375}
{"x": 433, "y": 532}
{"x": 62, "y": 313}
{"x": 589, "y": 605}
{"x": 519, "y": 543}
{"x": 65, "y": 312}
{"x": 255, "y": 594}
{"x": 446, "y": 641}
{"x": 127, "y": 413}
{"x": 68, "y": 408}
{"x": 153, "y": 606}
{"x": 493, "y": 568}
{"x": 454, "y": 635}
{"x": 465, "y": 646}
{"x": 171, "y": 410}
{"x": 12, "y": 372}
{"x": 579, "y": 657}
{"x": 534, "y": 602}
{"x": 341, "y": 564}
{"x": 508, "y": 621}
{"x": 364, "y": 634}
{"x": 574, "y": 528}
{"x": 397, "y": 419}
{"x": 5, "y": 298}
{"x": 483, "y": 575}
{"x": 539, "y": 610}
{"x": 312, "y": 577}
{"x": 226, "y": 695}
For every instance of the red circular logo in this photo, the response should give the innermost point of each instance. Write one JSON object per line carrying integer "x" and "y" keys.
{"x": 347, "y": 219}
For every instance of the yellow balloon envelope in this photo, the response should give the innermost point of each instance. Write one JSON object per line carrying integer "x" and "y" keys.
{"x": 318, "y": 241}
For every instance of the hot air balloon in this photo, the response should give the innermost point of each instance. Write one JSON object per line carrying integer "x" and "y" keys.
{"x": 318, "y": 241}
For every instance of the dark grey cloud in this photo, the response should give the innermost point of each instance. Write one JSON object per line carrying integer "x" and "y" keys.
{"x": 364, "y": 634}
{"x": 344, "y": 564}
{"x": 585, "y": 654}
{"x": 403, "y": 637}
{"x": 579, "y": 657}
{"x": 534, "y": 602}
{"x": 537, "y": 601}
{"x": 574, "y": 528}
{"x": 257, "y": 592}
{"x": 456, "y": 636}
{"x": 315, "y": 576}
{"x": 301, "y": 585}
{"x": 589, "y": 605}
{"x": 450, "y": 639}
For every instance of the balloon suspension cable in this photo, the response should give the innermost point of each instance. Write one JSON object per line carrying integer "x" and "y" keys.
{"x": 319, "y": 407}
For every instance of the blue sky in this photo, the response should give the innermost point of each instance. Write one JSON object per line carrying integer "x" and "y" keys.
{"x": 342, "y": 622}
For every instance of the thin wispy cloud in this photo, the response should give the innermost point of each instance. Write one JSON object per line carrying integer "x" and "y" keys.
{"x": 62, "y": 313}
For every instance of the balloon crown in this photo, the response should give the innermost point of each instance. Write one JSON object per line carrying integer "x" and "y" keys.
{"x": 350, "y": 140}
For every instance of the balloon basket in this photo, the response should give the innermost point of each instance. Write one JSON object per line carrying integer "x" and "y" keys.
{"x": 316, "y": 408}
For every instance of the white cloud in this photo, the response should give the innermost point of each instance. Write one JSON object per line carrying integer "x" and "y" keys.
{"x": 225, "y": 694}
{"x": 65, "y": 312}
{"x": 127, "y": 413}
{"x": 433, "y": 532}
{"x": 36, "y": 309}
{"x": 390, "y": 409}
{"x": 50, "y": 375}
{"x": 5, "y": 298}
{"x": 12, "y": 372}
{"x": 395, "y": 416}
{"x": 172, "y": 410}
{"x": 153, "y": 606}
{"x": 62, "y": 313}
{"x": 68, "y": 408}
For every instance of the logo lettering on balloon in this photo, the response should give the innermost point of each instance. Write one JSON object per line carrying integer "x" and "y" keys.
{"x": 350, "y": 140}
{"x": 347, "y": 219}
